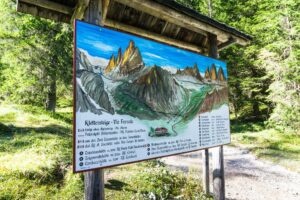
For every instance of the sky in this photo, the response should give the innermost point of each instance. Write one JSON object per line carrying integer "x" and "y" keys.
{"x": 103, "y": 42}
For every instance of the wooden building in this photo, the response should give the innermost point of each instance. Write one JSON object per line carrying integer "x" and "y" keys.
{"x": 161, "y": 20}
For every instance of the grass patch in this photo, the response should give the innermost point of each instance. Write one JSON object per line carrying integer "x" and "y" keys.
{"x": 35, "y": 157}
{"x": 152, "y": 180}
{"x": 280, "y": 148}
{"x": 242, "y": 127}
{"x": 35, "y": 154}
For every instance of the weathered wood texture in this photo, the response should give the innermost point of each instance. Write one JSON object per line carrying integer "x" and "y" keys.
{"x": 42, "y": 12}
{"x": 226, "y": 44}
{"x": 93, "y": 12}
{"x": 94, "y": 185}
{"x": 151, "y": 35}
{"x": 205, "y": 172}
{"x": 105, "y": 5}
{"x": 50, "y": 5}
{"x": 217, "y": 156}
{"x": 162, "y": 18}
{"x": 213, "y": 46}
{"x": 80, "y": 9}
{"x": 218, "y": 174}
{"x": 125, "y": 14}
{"x": 172, "y": 16}
{"x": 94, "y": 180}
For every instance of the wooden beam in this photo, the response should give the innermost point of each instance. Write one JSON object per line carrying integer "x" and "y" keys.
{"x": 164, "y": 28}
{"x": 178, "y": 18}
{"x": 192, "y": 36}
{"x": 80, "y": 9}
{"x": 152, "y": 22}
{"x": 141, "y": 17}
{"x": 205, "y": 42}
{"x": 226, "y": 44}
{"x": 120, "y": 12}
{"x": 50, "y": 5}
{"x": 153, "y": 36}
{"x": 105, "y": 5}
{"x": 177, "y": 31}
{"x": 42, "y": 12}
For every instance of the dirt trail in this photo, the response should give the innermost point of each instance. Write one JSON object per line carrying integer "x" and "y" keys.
{"x": 247, "y": 178}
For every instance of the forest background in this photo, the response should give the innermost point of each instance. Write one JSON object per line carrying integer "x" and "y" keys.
{"x": 264, "y": 78}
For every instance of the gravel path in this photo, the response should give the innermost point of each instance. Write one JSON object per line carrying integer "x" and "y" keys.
{"x": 246, "y": 177}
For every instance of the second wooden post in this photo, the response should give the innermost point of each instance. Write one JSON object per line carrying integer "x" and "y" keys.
{"x": 217, "y": 156}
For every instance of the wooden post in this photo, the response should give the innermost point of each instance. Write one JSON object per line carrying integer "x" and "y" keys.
{"x": 94, "y": 185}
{"x": 205, "y": 173}
{"x": 218, "y": 174}
{"x": 93, "y": 12}
{"x": 212, "y": 46}
{"x": 94, "y": 180}
{"x": 218, "y": 159}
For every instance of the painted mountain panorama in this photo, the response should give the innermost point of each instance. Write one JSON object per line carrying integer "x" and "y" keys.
{"x": 161, "y": 86}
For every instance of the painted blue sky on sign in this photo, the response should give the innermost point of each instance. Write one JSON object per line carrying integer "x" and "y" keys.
{"x": 102, "y": 42}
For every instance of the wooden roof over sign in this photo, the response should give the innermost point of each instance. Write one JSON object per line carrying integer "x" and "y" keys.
{"x": 161, "y": 20}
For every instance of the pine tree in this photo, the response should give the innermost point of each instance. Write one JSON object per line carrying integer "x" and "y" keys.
{"x": 37, "y": 54}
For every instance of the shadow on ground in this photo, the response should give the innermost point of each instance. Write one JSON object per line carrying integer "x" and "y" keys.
{"x": 114, "y": 184}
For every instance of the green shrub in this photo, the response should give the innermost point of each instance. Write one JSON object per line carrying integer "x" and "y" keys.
{"x": 160, "y": 183}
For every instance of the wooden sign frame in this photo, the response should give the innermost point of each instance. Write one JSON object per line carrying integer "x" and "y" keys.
{"x": 74, "y": 126}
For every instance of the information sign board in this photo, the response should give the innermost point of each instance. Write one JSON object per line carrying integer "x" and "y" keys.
{"x": 136, "y": 99}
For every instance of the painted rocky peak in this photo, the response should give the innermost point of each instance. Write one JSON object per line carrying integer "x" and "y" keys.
{"x": 221, "y": 76}
{"x": 91, "y": 90}
{"x": 191, "y": 71}
{"x": 158, "y": 89}
{"x": 207, "y": 74}
{"x": 128, "y": 63}
{"x": 111, "y": 64}
{"x": 82, "y": 62}
{"x": 119, "y": 58}
{"x": 212, "y": 74}
{"x": 216, "y": 98}
{"x": 128, "y": 52}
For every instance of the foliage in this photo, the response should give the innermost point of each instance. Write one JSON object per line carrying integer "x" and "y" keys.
{"x": 35, "y": 54}
{"x": 151, "y": 180}
{"x": 160, "y": 183}
{"x": 263, "y": 76}
{"x": 272, "y": 144}
{"x": 281, "y": 57}
{"x": 35, "y": 154}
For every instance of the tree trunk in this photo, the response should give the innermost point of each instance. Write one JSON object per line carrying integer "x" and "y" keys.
{"x": 255, "y": 109}
{"x": 235, "y": 108}
{"x": 51, "y": 94}
{"x": 209, "y": 5}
